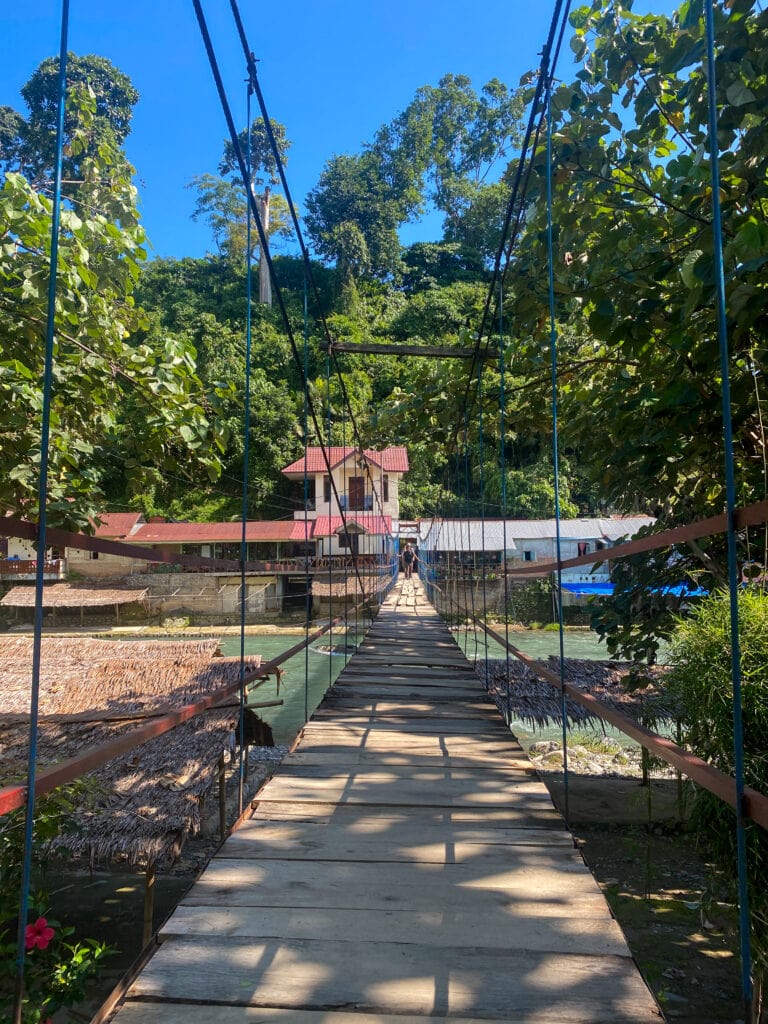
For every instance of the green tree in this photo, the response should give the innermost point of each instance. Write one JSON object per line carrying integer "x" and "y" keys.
{"x": 353, "y": 216}
{"x": 28, "y": 143}
{"x": 639, "y": 379}
{"x": 222, "y": 201}
{"x": 445, "y": 148}
{"x": 112, "y": 399}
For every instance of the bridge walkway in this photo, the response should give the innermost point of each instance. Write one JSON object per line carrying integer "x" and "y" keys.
{"x": 404, "y": 865}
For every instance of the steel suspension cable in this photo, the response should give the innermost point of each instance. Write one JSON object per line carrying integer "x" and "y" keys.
{"x": 730, "y": 491}
{"x": 253, "y": 74}
{"x": 246, "y": 455}
{"x": 264, "y": 242}
{"x": 42, "y": 499}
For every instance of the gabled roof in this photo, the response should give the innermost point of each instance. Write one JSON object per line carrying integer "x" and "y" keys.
{"x": 466, "y": 535}
{"x": 118, "y": 524}
{"x": 223, "y": 533}
{"x": 390, "y": 460}
{"x": 469, "y": 534}
{"x": 326, "y": 526}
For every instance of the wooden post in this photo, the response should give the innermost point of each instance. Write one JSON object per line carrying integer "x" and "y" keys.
{"x": 149, "y": 903}
{"x": 222, "y": 800}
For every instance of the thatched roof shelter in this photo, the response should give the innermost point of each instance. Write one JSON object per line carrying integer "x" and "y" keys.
{"x": 72, "y": 595}
{"x": 144, "y": 803}
{"x": 535, "y": 701}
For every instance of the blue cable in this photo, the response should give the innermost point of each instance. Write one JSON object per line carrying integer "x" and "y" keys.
{"x": 503, "y": 495}
{"x": 555, "y": 451}
{"x": 730, "y": 492}
{"x": 26, "y": 871}
{"x": 308, "y": 598}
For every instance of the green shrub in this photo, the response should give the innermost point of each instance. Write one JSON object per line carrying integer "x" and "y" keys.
{"x": 55, "y": 969}
{"x": 700, "y": 680}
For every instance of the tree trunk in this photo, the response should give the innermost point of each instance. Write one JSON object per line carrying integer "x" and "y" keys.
{"x": 265, "y": 284}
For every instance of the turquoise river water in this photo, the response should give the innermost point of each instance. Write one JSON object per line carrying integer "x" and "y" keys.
{"x": 321, "y": 669}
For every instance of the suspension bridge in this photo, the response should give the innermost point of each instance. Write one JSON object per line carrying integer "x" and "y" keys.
{"x": 404, "y": 864}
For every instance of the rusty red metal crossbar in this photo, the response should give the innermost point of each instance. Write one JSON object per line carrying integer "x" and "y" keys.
{"x": 750, "y": 515}
{"x": 13, "y": 527}
{"x": 14, "y": 796}
{"x": 755, "y": 805}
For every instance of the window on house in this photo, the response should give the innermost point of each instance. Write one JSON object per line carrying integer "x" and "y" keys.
{"x": 385, "y": 488}
{"x": 600, "y": 546}
{"x": 327, "y": 489}
{"x": 529, "y": 556}
{"x": 583, "y": 547}
{"x": 357, "y": 493}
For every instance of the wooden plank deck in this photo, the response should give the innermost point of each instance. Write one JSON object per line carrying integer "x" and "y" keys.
{"x": 404, "y": 865}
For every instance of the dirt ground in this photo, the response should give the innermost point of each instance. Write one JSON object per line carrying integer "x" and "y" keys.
{"x": 661, "y": 891}
{"x": 654, "y": 878}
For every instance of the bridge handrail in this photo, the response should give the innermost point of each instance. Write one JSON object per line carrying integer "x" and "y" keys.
{"x": 755, "y": 805}
{"x": 14, "y": 795}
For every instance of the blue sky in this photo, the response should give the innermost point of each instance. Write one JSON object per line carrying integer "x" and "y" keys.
{"x": 331, "y": 70}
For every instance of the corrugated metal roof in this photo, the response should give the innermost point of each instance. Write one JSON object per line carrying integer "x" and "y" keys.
{"x": 326, "y": 526}
{"x": 624, "y": 526}
{"x": 117, "y": 524}
{"x": 468, "y": 534}
{"x": 205, "y": 533}
{"x": 465, "y": 535}
{"x": 391, "y": 460}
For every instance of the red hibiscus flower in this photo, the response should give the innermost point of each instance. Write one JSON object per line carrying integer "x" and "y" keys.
{"x": 38, "y": 935}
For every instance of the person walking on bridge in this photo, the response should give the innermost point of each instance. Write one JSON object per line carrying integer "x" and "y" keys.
{"x": 409, "y": 560}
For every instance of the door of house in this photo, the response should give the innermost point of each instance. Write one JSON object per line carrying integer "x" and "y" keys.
{"x": 356, "y": 492}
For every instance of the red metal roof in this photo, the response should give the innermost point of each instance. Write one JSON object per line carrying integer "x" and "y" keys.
{"x": 227, "y": 533}
{"x": 391, "y": 460}
{"x": 325, "y": 526}
{"x": 117, "y": 524}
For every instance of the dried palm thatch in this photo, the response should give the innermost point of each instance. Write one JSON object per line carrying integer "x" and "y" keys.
{"x": 71, "y": 595}
{"x": 534, "y": 700}
{"x": 142, "y": 804}
{"x": 77, "y": 676}
{"x": 84, "y": 649}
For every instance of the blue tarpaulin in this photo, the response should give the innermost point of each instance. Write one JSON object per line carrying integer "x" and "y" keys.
{"x": 606, "y": 589}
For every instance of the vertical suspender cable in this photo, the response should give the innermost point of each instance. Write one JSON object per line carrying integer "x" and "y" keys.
{"x": 481, "y": 457}
{"x": 503, "y": 495}
{"x": 555, "y": 451}
{"x": 246, "y": 454}
{"x": 307, "y": 587}
{"x": 469, "y": 574}
{"x": 26, "y": 871}
{"x": 330, "y": 564}
{"x": 730, "y": 490}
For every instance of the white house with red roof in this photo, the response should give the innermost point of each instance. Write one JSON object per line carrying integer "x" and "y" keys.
{"x": 354, "y": 509}
{"x": 354, "y": 505}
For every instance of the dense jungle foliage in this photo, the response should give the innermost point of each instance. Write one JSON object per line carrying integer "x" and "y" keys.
{"x": 638, "y": 377}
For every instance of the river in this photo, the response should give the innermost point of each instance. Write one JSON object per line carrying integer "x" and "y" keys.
{"x": 321, "y": 670}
